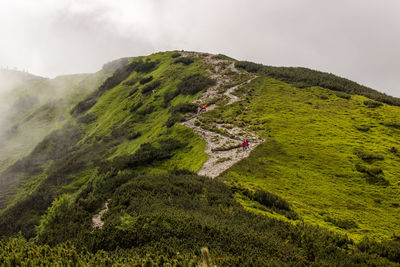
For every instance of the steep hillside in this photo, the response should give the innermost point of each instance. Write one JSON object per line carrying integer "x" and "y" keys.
{"x": 318, "y": 183}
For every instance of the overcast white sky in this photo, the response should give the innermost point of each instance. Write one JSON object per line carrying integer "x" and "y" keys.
{"x": 356, "y": 39}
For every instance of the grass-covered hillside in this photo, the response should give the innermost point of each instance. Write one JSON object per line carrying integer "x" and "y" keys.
{"x": 318, "y": 185}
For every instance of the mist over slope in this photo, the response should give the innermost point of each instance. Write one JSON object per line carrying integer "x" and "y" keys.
{"x": 330, "y": 158}
{"x": 10, "y": 80}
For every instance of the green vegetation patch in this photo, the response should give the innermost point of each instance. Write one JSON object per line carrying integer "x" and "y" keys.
{"x": 303, "y": 77}
{"x": 194, "y": 83}
{"x": 185, "y": 60}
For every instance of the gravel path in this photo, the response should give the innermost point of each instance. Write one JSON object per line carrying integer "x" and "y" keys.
{"x": 97, "y": 221}
{"x": 223, "y": 147}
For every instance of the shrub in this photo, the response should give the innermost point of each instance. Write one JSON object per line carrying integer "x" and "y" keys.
{"x": 368, "y": 157}
{"x": 185, "y": 60}
{"x": 248, "y": 66}
{"x": 146, "y": 154}
{"x": 391, "y": 124}
{"x": 133, "y": 91}
{"x": 271, "y": 200}
{"x": 343, "y": 95}
{"x": 148, "y": 109}
{"x": 363, "y": 128}
{"x": 370, "y": 171}
{"x": 222, "y": 57}
{"x": 174, "y": 118}
{"x": 87, "y": 118}
{"x": 183, "y": 108}
{"x": 374, "y": 175}
{"x": 372, "y": 104}
{"x": 377, "y": 180}
{"x": 168, "y": 96}
{"x": 178, "y": 111}
{"x": 175, "y": 55}
{"x": 125, "y": 132}
{"x": 151, "y": 86}
{"x": 146, "y": 80}
{"x": 131, "y": 81}
{"x": 83, "y": 106}
{"x": 342, "y": 223}
{"x": 144, "y": 67}
{"x": 394, "y": 151}
{"x": 136, "y": 106}
{"x": 193, "y": 84}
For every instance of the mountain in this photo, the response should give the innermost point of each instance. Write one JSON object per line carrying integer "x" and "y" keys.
{"x": 122, "y": 162}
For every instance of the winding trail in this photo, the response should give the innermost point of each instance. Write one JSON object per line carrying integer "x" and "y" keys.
{"x": 223, "y": 139}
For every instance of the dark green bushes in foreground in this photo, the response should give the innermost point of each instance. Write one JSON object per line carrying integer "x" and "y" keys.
{"x": 181, "y": 211}
{"x": 303, "y": 77}
{"x": 389, "y": 249}
{"x": 18, "y": 252}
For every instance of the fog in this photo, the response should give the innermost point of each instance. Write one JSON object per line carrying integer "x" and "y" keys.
{"x": 356, "y": 39}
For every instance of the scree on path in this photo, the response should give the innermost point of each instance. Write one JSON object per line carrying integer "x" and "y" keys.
{"x": 223, "y": 150}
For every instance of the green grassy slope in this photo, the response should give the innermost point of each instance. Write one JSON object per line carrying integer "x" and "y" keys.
{"x": 120, "y": 121}
{"x": 314, "y": 145}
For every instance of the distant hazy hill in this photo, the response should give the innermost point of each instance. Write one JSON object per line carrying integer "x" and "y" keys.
{"x": 13, "y": 78}
{"x": 320, "y": 186}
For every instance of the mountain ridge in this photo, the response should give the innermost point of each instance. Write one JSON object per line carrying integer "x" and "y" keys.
{"x": 126, "y": 133}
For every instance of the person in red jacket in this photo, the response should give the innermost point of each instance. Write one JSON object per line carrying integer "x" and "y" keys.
{"x": 205, "y": 107}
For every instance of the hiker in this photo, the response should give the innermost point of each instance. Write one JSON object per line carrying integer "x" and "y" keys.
{"x": 244, "y": 145}
{"x": 198, "y": 110}
{"x": 205, "y": 107}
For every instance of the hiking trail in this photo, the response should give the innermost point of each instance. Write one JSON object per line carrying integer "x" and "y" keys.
{"x": 97, "y": 221}
{"x": 223, "y": 139}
